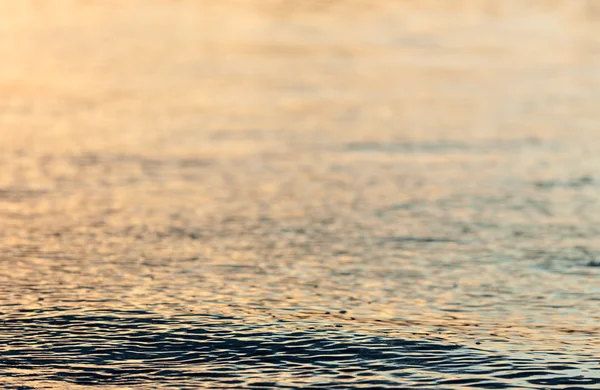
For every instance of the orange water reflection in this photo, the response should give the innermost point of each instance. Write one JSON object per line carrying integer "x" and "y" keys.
{"x": 430, "y": 168}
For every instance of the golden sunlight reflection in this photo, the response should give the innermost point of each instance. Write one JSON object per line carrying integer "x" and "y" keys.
{"x": 370, "y": 179}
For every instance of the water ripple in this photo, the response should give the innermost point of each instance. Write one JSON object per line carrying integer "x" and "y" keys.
{"x": 299, "y": 194}
{"x": 136, "y": 348}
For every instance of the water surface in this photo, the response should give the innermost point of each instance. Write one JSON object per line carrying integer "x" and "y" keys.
{"x": 389, "y": 194}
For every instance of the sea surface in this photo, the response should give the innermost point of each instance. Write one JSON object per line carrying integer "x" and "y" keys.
{"x": 299, "y": 194}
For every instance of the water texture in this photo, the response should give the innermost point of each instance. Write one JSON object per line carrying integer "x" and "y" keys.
{"x": 316, "y": 194}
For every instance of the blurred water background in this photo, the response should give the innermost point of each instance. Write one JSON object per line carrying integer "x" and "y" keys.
{"x": 299, "y": 194}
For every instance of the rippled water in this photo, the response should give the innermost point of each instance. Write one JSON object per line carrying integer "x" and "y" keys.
{"x": 388, "y": 194}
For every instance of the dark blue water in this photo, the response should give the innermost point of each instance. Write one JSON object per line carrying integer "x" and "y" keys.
{"x": 189, "y": 351}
